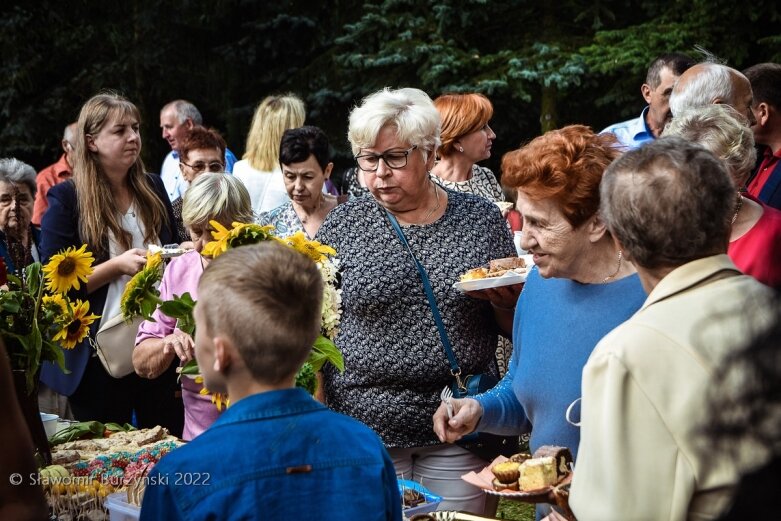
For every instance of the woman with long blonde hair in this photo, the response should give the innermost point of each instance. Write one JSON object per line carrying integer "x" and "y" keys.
{"x": 259, "y": 169}
{"x": 117, "y": 210}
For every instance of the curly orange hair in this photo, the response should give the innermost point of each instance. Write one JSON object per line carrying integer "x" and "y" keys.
{"x": 461, "y": 114}
{"x": 565, "y": 165}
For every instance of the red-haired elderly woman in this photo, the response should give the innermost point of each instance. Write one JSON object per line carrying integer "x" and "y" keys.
{"x": 580, "y": 289}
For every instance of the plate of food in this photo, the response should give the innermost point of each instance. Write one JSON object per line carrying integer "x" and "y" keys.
{"x": 541, "y": 478}
{"x": 498, "y": 273}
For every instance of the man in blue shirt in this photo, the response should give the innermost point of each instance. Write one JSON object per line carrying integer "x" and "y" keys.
{"x": 275, "y": 453}
{"x": 659, "y": 81}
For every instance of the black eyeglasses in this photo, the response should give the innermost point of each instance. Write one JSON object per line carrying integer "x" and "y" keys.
{"x": 392, "y": 158}
{"x": 200, "y": 166}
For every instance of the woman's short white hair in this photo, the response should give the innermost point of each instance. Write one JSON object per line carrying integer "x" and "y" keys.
{"x": 216, "y": 196}
{"x": 409, "y": 110}
{"x": 722, "y": 130}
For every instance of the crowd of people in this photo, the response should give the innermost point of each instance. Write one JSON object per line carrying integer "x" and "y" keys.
{"x": 650, "y": 241}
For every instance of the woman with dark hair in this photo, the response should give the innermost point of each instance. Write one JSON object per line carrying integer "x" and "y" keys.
{"x": 117, "y": 210}
{"x": 304, "y": 156}
{"x": 580, "y": 288}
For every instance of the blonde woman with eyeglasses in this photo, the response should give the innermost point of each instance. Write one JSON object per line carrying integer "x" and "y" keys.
{"x": 259, "y": 169}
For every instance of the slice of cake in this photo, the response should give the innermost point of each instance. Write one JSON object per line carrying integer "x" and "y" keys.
{"x": 537, "y": 473}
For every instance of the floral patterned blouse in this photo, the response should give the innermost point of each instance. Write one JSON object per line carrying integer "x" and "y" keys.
{"x": 395, "y": 365}
{"x": 483, "y": 183}
{"x": 285, "y": 219}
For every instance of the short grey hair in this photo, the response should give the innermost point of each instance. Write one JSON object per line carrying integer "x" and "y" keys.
{"x": 668, "y": 203}
{"x": 713, "y": 82}
{"x": 722, "y": 130}
{"x": 183, "y": 110}
{"x": 409, "y": 110}
{"x": 216, "y": 196}
{"x": 18, "y": 172}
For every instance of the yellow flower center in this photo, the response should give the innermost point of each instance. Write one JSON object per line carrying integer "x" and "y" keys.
{"x": 66, "y": 267}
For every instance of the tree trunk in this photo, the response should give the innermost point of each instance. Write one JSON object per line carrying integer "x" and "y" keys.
{"x": 548, "y": 116}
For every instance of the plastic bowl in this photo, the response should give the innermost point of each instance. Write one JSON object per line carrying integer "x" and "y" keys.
{"x": 49, "y": 423}
{"x": 432, "y": 500}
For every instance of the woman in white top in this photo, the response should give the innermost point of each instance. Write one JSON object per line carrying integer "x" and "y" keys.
{"x": 117, "y": 210}
{"x": 259, "y": 168}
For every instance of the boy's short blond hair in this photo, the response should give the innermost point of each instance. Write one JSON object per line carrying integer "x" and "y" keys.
{"x": 266, "y": 298}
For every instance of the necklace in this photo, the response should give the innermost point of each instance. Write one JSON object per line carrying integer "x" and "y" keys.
{"x": 304, "y": 217}
{"x": 435, "y": 208}
{"x": 738, "y": 206}
{"x": 618, "y": 268}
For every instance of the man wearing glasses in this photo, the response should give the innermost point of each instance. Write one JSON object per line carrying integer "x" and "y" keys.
{"x": 54, "y": 174}
{"x": 177, "y": 120}
{"x": 202, "y": 150}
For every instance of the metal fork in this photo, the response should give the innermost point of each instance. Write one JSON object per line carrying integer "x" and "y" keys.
{"x": 446, "y": 395}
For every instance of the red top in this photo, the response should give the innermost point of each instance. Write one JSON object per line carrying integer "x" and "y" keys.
{"x": 763, "y": 173}
{"x": 48, "y": 177}
{"x": 515, "y": 220}
{"x": 758, "y": 251}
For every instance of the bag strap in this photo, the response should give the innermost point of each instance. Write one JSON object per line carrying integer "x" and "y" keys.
{"x": 455, "y": 370}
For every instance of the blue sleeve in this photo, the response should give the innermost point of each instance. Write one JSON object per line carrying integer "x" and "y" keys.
{"x": 230, "y": 160}
{"x": 158, "y": 500}
{"x": 502, "y": 412}
{"x": 59, "y": 226}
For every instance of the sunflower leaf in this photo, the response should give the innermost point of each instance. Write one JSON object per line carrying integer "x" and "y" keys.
{"x": 324, "y": 350}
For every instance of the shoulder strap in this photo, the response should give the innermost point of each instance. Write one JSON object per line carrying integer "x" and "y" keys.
{"x": 454, "y": 368}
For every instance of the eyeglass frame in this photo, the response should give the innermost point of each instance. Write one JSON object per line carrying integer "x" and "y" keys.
{"x": 382, "y": 156}
{"x": 206, "y": 166}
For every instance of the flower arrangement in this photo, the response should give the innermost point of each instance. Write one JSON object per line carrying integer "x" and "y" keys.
{"x": 37, "y": 318}
{"x": 141, "y": 297}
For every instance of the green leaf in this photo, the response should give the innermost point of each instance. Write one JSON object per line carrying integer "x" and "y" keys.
{"x": 324, "y": 350}
{"x": 190, "y": 368}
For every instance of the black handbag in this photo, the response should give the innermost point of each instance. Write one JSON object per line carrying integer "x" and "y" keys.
{"x": 484, "y": 445}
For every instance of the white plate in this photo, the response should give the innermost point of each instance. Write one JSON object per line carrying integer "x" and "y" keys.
{"x": 508, "y": 279}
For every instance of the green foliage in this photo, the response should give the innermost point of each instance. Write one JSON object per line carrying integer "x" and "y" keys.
{"x": 572, "y": 61}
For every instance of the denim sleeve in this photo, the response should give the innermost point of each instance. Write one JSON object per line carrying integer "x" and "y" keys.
{"x": 392, "y": 497}
{"x": 158, "y": 500}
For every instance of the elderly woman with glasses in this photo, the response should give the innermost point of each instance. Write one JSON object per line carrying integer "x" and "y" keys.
{"x": 18, "y": 238}
{"x": 395, "y": 362}
{"x": 201, "y": 151}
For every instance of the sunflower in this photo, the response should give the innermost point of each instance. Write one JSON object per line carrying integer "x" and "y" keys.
{"x": 240, "y": 234}
{"x": 141, "y": 296}
{"x": 66, "y": 268}
{"x": 219, "y": 244}
{"x": 153, "y": 260}
{"x": 55, "y": 303}
{"x": 220, "y": 400}
{"x": 312, "y": 249}
{"x": 75, "y": 329}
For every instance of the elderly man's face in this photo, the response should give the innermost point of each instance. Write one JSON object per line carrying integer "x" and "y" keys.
{"x": 173, "y": 131}
{"x": 658, "y": 100}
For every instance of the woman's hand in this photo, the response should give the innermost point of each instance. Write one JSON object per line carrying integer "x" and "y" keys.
{"x": 181, "y": 344}
{"x": 503, "y": 297}
{"x": 130, "y": 262}
{"x": 466, "y": 413}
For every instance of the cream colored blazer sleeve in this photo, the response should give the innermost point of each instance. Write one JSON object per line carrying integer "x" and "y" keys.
{"x": 629, "y": 466}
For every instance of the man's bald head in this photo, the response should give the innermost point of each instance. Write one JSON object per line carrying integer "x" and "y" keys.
{"x": 712, "y": 83}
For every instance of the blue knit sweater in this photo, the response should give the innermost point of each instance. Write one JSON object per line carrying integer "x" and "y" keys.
{"x": 558, "y": 322}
